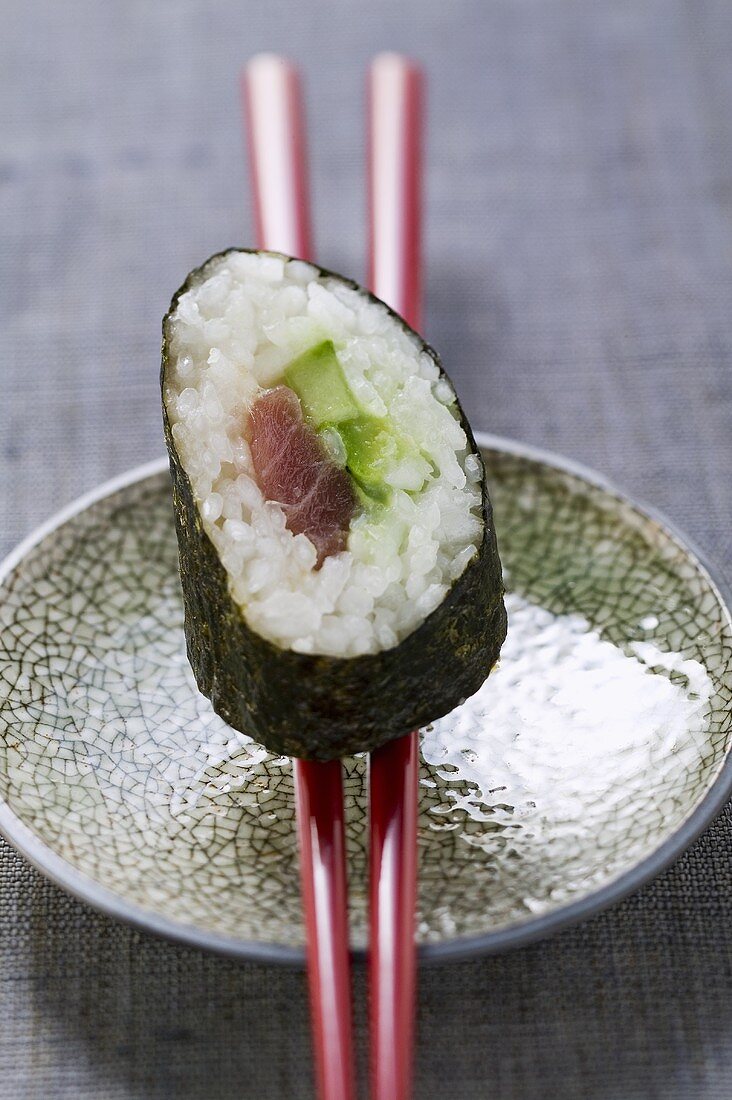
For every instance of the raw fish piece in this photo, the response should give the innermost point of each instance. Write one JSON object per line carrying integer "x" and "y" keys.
{"x": 294, "y": 468}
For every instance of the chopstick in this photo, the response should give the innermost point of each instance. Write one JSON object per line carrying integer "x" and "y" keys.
{"x": 279, "y": 179}
{"x": 319, "y": 800}
{"x": 395, "y": 95}
{"x": 275, "y": 136}
{"x": 276, "y": 141}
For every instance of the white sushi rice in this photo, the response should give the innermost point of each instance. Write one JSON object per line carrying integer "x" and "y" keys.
{"x": 232, "y": 336}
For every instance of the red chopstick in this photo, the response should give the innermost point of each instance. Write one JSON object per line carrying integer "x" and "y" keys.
{"x": 276, "y": 141}
{"x": 395, "y": 96}
{"x": 319, "y": 798}
{"x": 275, "y": 137}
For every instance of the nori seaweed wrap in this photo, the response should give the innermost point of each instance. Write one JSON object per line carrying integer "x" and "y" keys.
{"x": 338, "y": 559}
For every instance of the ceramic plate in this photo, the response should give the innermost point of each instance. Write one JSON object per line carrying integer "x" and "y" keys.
{"x": 591, "y": 757}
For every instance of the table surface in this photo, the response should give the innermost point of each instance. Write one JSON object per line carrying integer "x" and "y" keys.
{"x": 579, "y": 208}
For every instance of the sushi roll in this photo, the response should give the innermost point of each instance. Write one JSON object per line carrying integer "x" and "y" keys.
{"x": 339, "y": 566}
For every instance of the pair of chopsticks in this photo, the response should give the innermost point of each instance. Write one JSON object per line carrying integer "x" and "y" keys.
{"x": 277, "y": 154}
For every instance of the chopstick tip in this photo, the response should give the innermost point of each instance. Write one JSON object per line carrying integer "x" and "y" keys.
{"x": 266, "y": 63}
{"x": 392, "y": 63}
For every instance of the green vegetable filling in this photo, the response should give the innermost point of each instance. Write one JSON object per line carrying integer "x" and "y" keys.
{"x": 317, "y": 378}
{"x": 371, "y": 445}
{"x": 372, "y": 449}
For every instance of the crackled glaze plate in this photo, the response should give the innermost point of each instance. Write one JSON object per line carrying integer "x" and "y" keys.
{"x": 591, "y": 757}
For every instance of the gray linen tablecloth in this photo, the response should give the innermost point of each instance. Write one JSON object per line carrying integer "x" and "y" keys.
{"x": 579, "y": 205}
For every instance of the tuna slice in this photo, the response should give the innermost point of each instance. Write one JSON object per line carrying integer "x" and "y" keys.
{"x": 294, "y": 468}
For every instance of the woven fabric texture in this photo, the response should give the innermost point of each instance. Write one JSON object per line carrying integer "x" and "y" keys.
{"x": 579, "y": 212}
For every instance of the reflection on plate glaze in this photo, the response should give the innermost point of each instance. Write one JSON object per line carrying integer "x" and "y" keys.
{"x": 564, "y": 735}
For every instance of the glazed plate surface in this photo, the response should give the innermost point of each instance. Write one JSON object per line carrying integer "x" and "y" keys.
{"x": 591, "y": 757}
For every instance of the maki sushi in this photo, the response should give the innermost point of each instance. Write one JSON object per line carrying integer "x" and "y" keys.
{"x": 338, "y": 560}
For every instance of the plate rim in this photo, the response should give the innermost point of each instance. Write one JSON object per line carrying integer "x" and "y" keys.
{"x": 63, "y": 873}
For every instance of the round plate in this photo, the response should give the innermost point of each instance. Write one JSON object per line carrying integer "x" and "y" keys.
{"x": 589, "y": 760}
